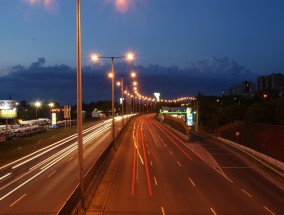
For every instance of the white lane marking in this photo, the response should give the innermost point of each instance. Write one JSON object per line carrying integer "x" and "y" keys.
{"x": 5, "y": 176}
{"x": 191, "y": 182}
{"x": 178, "y": 163}
{"x": 163, "y": 211}
{"x": 171, "y": 153}
{"x": 235, "y": 167}
{"x": 72, "y": 137}
{"x": 51, "y": 173}
{"x": 151, "y": 163}
{"x": 70, "y": 159}
{"x": 266, "y": 208}
{"x": 213, "y": 211}
{"x": 93, "y": 134}
{"x": 148, "y": 152}
{"x": 246, "y": 193}
{"x": 17, "y": 200}
{"x": 156, "y": 183}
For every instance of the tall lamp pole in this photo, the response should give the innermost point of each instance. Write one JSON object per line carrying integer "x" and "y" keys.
{"x": 112, "y": 96}
{"x": 79, "y": 105}
{"x": 129, "y": 56}
{"x": 197, "y": 116}
{"x": 122, "y": 101}
{"x": 37, "y": 105}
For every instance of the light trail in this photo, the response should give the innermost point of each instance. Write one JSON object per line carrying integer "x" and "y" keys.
{"x": 136, "y": 146}
{"x": 133, "y": 170}
{"x": 49, "y": 162}
{"x": 158, "y": 126}
{"x": 51, "y": 147}
{"x": 5, "y": 176}
{"x": 146, "y": 165}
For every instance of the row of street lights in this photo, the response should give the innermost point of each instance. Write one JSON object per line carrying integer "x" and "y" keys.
{"x": 130, "y": 57}
{"x": 132, "y": 75}
{"x": 38, "y": 104}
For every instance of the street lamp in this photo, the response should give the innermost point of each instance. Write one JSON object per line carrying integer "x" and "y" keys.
{"x": 51, "y": 105}
{"x": 129, "y": 56}
{"x": 37, "y": 105}
{"x": 132, "y": 75}
{"x": 79, "y": 103}
{"x": 122, "y": 98}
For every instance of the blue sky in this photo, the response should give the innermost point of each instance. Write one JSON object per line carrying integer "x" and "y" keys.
{"x": 181, "y": 33}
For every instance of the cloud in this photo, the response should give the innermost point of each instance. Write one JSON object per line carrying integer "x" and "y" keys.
{"x": 58, "y": 82}
{"x": 208, "y": 76}
{"x": 215, "y": 66}
{"x": 40, "y": 62}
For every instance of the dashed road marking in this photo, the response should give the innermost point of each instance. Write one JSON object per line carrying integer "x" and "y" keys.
{"x": 163, "y": 211}
{"x": 266, "y": 208}
{"x": 17, "y": 200}
{"x": 191, "y": 182}
{"x": 178, "y": 163}
{"x": 70, "y": 159}
{"x": 246, "y": 193}
{"x": 213, "y": 211}
{"x": 156, "y": 183}
{"x": 51, "y": 173}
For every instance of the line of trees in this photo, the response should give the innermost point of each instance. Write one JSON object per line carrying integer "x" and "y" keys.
{"x": 265, "y": 107}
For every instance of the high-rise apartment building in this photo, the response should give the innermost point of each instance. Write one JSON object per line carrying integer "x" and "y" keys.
{"x": 273, "y": 82}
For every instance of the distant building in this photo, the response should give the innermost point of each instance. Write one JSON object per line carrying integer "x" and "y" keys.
{"x": 245, "y": 89}
{"x": 273, "y": 82}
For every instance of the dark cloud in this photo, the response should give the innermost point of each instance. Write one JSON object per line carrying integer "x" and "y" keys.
{"x": 39, "y": 63}
{"x": 58, "y": 82}
{"x": 209, "y": 77}
{"x": 214, "y": 66}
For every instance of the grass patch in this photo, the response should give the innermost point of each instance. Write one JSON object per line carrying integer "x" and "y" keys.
{"x": 16, "y": 148}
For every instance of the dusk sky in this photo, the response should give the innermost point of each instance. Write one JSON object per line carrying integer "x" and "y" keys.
{"x": 182, "y": 46}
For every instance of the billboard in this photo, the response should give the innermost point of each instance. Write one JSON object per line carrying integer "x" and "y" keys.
{"x": 8, "y": 109}
{"x": 8, "y": 114}
{"x": 7, "y": 104}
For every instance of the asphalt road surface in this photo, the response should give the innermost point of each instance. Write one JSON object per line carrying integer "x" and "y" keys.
{"x": 160, "y": 173}
{"x": 40, "y": 183}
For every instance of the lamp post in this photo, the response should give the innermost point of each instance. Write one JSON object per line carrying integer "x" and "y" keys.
{"x": 197, "y": 115}
{"x": 37, "y": 105}
{"x": 51, "y": 105}
{"x": 130, "y": 57}
{"x": 79, "y": 104}
{"x": 122, "y": 99}
{"x": 132, "y": 75}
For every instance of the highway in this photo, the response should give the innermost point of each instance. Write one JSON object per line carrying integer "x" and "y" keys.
{"x": 159, "y": 173}
{"x": 41, "y": 182}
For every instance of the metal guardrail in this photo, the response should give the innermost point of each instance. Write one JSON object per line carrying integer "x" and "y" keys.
{"x": 262, "y": 158}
